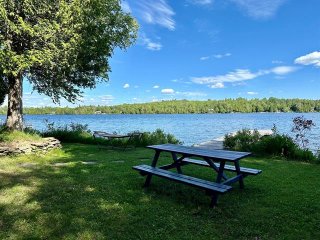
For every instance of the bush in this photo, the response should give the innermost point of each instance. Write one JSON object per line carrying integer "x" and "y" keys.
{"x": 78, "y": 133}
{"x": 273, "y": 145}
{"x": 243, "y": 140}
{"x": 284, "y": 146}
{"x": 156, "y": 137}
{"x": 72, "y": 133}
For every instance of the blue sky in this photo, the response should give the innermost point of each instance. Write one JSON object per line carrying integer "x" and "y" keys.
{"x": 213, "y": 49}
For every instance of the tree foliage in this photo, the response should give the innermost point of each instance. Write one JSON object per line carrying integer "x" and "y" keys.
{"x": 185, "y": 106}
{"x": 62, "y": 46}
{"x": 301, "y": 126}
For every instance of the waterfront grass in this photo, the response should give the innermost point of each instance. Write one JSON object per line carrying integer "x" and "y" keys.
{"x": 18, "y": 136}
{"x": 81, "y": 192}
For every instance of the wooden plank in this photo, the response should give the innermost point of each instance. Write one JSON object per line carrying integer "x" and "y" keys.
{"x": 215, "y": 168}
{"x": 147, "y": 168}
{"x": 193, "y": 151}
{"x": 248, "y": 171}
{"x": 233, "y": 179}
{"x": 203, "y": 184}
{"x": 153, "y": 164}
{"x": 237, "y": 166}
{"x": 177, "y": 161}
{"x": 220, "y": 173}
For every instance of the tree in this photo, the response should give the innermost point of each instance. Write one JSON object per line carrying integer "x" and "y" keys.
{"x": 59, "y": 46}
{"x": 3, "y": 91}
{"x": 300, "y": 127}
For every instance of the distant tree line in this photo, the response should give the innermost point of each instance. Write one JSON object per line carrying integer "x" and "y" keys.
{"x": 185, "y": 106}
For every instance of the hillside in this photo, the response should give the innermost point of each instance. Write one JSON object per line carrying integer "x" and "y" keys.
{"x": 186, "y": 106}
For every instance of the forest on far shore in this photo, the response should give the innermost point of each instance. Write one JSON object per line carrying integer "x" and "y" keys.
{"x": 186, "y": 106}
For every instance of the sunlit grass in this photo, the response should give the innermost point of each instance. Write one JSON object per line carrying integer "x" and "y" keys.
{"x": 18, "y": 136}
{"x": 40, "y": 200}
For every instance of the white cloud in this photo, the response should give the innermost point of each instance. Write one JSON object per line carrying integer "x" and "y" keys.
{"x": 252, "y": 93}
{"x": 126, "y": 85}
{"x": 204, "y": 58}
{"x": 309, "y": 59}
{"x": 283, "y": 70}
{"x": 180, "y": 80}
{"x": 218, "y": 56}
{"x": 217, "y": 85}
{"x": 156, "y": 12}
{"x": 235, "y": 76}
{"x": 260, "y": 8}
{"x": 151, "y": 45}
{"x": 201, "y": 2}
{"x": 277, "y": 62}
{"x": 155, "y": 86}
{"x": 125, "y": 7}
{"x": 106, "y": 97}
{"x": 167, "y": 91}
{"x": 192, "y": 94}
{"x": 240, "y": 75}
{"x": 222, "y": 55}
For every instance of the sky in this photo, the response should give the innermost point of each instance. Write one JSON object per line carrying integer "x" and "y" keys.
{"x": 212, "y": 49}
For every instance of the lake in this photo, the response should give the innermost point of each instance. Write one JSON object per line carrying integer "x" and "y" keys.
{"x": 189, "y": 128}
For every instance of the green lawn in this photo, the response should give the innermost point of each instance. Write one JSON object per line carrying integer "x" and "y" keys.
{"x": 107, "y": 201}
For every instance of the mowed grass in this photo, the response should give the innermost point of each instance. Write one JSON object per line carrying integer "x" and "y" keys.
{"x": 40, "y": 200}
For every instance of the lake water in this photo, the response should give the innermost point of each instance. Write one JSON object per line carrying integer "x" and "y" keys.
{"x": 189, "y": 128}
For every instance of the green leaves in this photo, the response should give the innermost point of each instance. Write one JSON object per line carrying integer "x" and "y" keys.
{"x": 62, "y": 46}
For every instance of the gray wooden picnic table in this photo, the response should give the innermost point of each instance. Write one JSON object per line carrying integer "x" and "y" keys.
{"x": 215, "y": 159}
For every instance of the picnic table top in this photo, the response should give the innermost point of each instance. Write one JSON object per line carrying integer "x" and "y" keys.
{"x": 200, "y": 152}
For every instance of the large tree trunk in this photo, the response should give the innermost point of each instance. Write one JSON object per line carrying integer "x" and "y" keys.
{"x": 14, "y": 114}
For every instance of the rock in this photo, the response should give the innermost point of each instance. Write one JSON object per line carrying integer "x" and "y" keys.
{"x": 89, "y": 163}
{"x": 48, "y": 144}
{"x": 59, "y": 164}
{"x": 28, "y": 165}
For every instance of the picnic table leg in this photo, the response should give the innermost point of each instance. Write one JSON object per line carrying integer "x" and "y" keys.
{"x": 214, "y": 200}
{"x": 220, "y": 172}
{"x": 213, "y": 165}
{"x": 153, "y": 164}
{"x": 237, "y": 166}
{"x": 175, "y": 159}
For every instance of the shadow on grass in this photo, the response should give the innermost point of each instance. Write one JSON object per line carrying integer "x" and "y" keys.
{"x": 106, "y": 201}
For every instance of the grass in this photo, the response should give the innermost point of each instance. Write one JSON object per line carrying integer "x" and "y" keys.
{"x": 18, "y": 136}
{"x": 106, "y": 200}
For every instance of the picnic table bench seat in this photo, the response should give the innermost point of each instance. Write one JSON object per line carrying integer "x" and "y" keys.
{"x": 200, "y": 183}
{"x": 244, "y": 171}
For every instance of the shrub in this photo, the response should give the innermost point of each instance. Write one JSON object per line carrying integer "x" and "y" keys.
{"x": 284, "y": 146}
{"x": 78, "y": 133}
{"x": 72, "y": 133}
{"x": 301, "y": 127}
{"x": 156, "y": 137}
{"x": 273, "y": 145}
{"x": 243, "y": 140}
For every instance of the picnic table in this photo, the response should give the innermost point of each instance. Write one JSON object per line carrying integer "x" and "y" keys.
{"x": 214, "y": 159}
